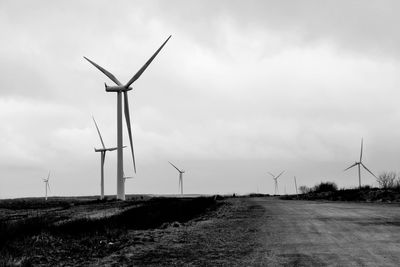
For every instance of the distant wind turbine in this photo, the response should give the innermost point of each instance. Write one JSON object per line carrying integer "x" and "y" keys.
{"x": 102, "y": 159}
{"x": 46, "y": 185}
{"x": 127, "y": 177}
{"x": 359, "y": 164}
{"x": 181, "y": 172}
{"x": 119, "y": 89}
{"x": 295, "y": 185}
{"x": 276, "y": 181}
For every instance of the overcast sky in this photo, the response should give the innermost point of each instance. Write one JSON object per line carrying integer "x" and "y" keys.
{"x": 241, "y": 89}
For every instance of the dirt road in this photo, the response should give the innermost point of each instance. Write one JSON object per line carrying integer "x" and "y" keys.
{"x": 309, "y": 233}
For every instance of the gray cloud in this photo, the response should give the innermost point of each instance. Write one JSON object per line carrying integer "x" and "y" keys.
{"x": 241, "y": 88}
{"x": 363, "y": 27}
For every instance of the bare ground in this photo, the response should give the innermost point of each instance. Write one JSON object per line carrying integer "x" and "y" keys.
{"x": 245, "y": 232}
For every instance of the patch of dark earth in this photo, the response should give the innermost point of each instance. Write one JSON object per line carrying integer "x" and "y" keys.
{"x": 225, "y": 237}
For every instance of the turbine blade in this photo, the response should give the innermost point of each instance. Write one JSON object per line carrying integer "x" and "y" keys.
{"x": 361, "y": 152}
{"x": 48, "y": 185}
{"x": 48, "y": 176}
{"x": 142, "y": 69}
{"x": 107, "y": 73}
{"x": 128, "y": 125}
{"x": 369, "y": 170}
{"x": 175, "y": 166}
{"x": 271, "y": 174}
{"x": 279, "y": 175}
{"x": 350, "y": 167}
{"x": 98, "y": 131}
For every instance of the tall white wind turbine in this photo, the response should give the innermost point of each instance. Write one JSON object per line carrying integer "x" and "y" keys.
{"x": 276, "y": 181}
{"x": 181, "y": 172}
{"x": 102, "y": 151}
{"x": 359, "y": 164}
{"x": 119, "y": 89}
{"x": 46, "y": 185}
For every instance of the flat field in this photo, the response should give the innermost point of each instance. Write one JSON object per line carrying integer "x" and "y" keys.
{"x": 262, "y": 231}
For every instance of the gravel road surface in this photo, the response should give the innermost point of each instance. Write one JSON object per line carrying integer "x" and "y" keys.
{"x": 311, "y": 233}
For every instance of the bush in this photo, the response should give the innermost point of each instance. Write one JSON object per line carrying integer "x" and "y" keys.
{"x": 304, "y": 189}
{"x": 397, "y": 185}
{"x": 365, "y": 188}
{"x": 325, "y": 187}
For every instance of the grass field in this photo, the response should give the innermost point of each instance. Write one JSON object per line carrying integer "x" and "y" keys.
{"x": 33, "y": 231}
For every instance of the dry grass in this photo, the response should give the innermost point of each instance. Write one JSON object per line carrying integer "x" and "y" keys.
{"x": 54, "y": 235}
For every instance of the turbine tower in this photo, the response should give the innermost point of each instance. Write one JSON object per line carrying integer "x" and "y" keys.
{"x": 295, "y": 185}
{"x": 359, "y": 164}
{"x": 102, "y": 158}
{"x": 46, "y": 185}
{"x": 119, "y": 89}
{"x": 276, "y": 181}
{"x": 181, "y": 172}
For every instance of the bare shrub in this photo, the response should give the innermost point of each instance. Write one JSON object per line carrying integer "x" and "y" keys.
{"x": 388, "y": 180}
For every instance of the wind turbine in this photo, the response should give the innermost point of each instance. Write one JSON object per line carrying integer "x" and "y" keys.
{"x": 46, "y": 185}
{"x": 127, "y": 177}
{"x": 181, "y": 172}
{"x": 119, "y": 89}
{"x": 295, "y": 185}
{"x": 359, "y": 164}
{"x": 276, "y": 180}
{"x": 102, "y": 158}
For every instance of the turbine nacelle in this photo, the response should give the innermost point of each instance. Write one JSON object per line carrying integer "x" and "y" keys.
{"x": 118, "y": 88}
{"x": 106, "y": 149}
